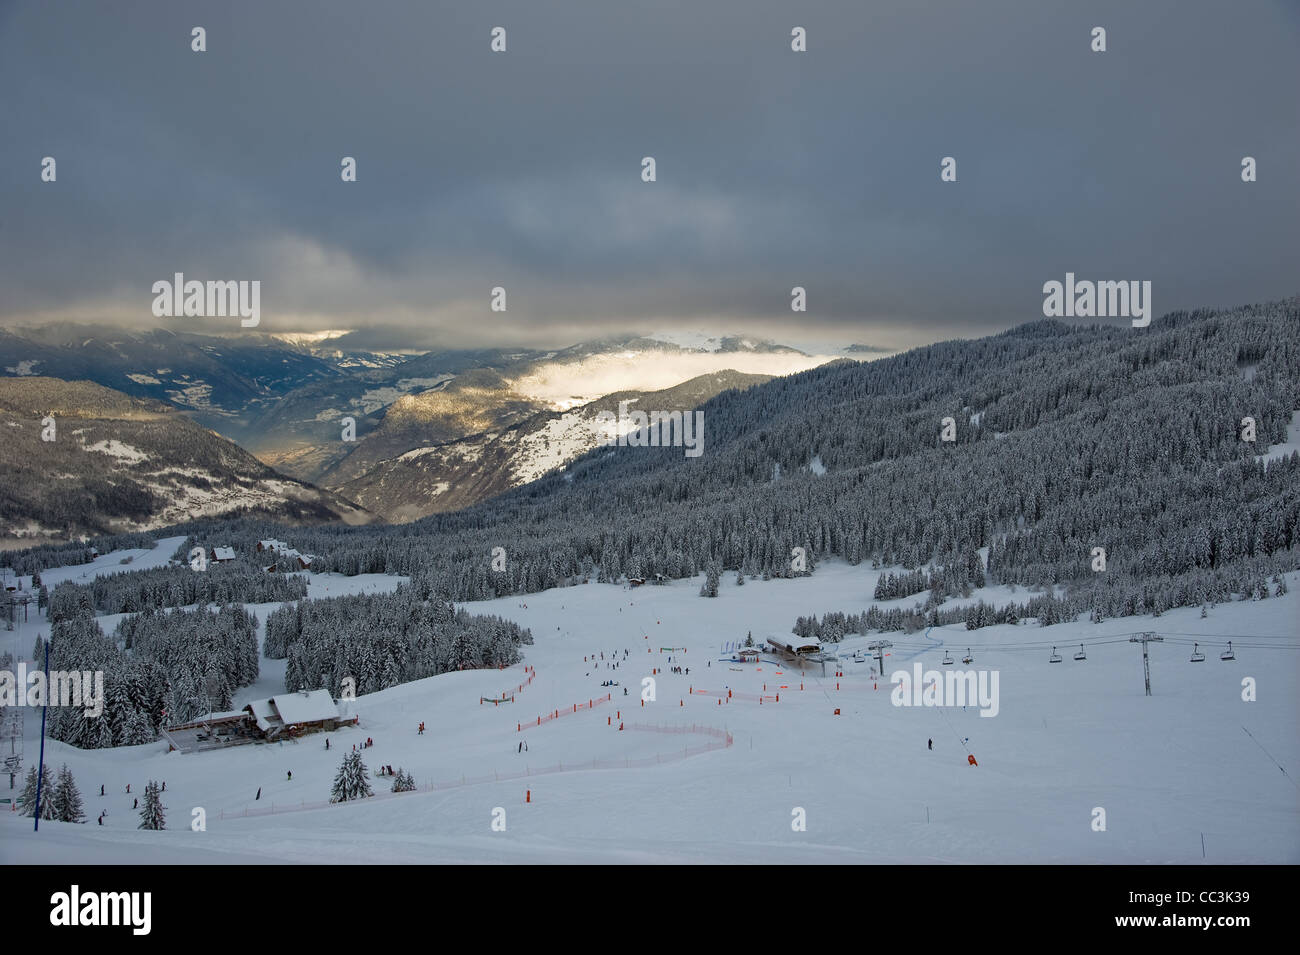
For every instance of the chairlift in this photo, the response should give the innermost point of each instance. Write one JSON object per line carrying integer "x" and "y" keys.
{"x": 947, "y": 658}
{"x": 1228, "y": 654}
{"x": 1081, "y": 655}
{"x": 967, "y": 658}
{"x": 1055, "y": 657}
{"x": 1197, "y": 655}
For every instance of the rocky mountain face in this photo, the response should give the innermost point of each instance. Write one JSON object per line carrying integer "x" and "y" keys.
{"x": 458, "y": 473}
{"x": 77, "y": 458}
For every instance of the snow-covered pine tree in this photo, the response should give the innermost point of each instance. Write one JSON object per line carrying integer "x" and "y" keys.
{"x": 351, "y": 782}
{"x": 67, "y": 798}
{"x": 27, "y": 801}
{"x": 137, "y": 730}
{"x": 711, "y": 576}
{"x": 151, "y": 812}
{"x": 403, "y": 782}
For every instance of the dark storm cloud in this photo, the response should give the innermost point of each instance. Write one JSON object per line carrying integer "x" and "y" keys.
{"x": 523, "y": 169}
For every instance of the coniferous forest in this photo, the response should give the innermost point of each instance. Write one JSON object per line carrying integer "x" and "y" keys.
{"x": 1067, "y": 439}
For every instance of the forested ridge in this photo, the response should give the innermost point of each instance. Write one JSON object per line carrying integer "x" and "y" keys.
{"x": 1067, "y": 438}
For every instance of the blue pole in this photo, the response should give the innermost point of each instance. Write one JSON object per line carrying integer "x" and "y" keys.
{"x": 40, "y": 771}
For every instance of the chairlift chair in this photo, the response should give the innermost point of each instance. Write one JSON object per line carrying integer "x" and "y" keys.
{"x": 1081, "y": 655}
{"x": 1055, "y": 657}
{"x": 967, "y": 658}
{"x": 1197, "y": 655}
{"x": 1228, "y": 654}
{"x": 947, "y": 658}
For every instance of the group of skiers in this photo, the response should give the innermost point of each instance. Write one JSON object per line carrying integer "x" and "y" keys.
{"x": 135, "y": 803}
{"x": 598, "y": 660}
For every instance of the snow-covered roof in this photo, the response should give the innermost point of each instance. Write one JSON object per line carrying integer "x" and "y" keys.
{"x": 796, "y": 643}
{"x": 306, "y": 706}
{"x": 264, "y": 713}
{"x": 223, "y": 553}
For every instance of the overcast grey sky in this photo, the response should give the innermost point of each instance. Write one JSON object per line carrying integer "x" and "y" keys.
{"x": 522, "y": 169}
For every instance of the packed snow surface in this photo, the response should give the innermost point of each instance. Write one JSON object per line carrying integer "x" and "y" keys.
{"x": 1192, "y": 761}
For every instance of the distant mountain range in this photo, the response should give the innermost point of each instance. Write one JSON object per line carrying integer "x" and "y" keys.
{"x": 79, "y": 458}
{"x": 432, "y": 432}
{"x": 1020, "y": 458}
{"x": 458, "y": 473}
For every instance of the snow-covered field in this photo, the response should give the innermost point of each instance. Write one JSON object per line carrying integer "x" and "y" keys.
{"x": 105, "y": 564}
{"x": 1192, "y": 762}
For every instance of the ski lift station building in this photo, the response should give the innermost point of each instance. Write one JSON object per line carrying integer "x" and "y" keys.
{"x": 795, "y": 646}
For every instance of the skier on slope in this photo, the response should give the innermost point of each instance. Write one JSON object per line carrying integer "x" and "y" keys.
{"x": 929, "y": 744}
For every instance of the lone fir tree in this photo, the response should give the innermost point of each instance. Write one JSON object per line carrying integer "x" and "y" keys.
{"x": 351, "y": 782}
{"x": 27, "y": 801}
{"x": 151, "y": 813}
{"x": 67, "y": 798}
{"x": 711, "y": 576}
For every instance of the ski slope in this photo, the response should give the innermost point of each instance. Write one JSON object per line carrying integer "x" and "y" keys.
{"x": 1191, "y": 762}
